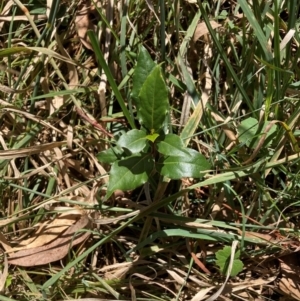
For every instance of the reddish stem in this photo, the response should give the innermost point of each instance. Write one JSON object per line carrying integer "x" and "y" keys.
{"x": 93, "y": 123}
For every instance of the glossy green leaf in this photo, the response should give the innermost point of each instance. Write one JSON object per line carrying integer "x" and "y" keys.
{"x": 223, "y": 258}
{"x": 143, "y": 68}
{"x": 177, "y": 167}
{"x": 110, "y": 155}
{"x": 130, "y": 173}
{"x": 172, "y": 145}
{"x": 107, "y": 156}
{"x": 134, "y": 140}
{"x": 249, "y": 130}
{"x": 154, "y": 103}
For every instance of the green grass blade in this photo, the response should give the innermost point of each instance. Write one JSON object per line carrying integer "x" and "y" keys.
{"x": 277, "y": 60}
{"x": 225, "y": 59}
{"x": 162, "y": 31}
{"x": 258, "y": 32}
{"x": 110, "y": 78}
{"x": 181, "y": 55}
{"x": 123, "y": 39}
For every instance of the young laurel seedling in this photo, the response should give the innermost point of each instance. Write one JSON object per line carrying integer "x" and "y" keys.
{"x": 141, "y": 153}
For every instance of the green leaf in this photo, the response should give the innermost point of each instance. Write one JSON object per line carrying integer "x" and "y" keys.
{"x": 249, "y": 129}
{"x": 130, "y": 173}
{"x": 143, "y": 68}
{"x": 177, "y": 167}
{"x": 152, "y": 137}
{"x": 154, "y": 103}
{"x": 172, "y": 145}
{"x": 223, "y": 258}
{"x": 134, "y": 140}
{"x": 110, "y": 155}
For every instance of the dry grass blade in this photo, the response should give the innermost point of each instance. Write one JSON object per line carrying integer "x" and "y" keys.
{"x": 149, "y": 281}
{"x": 4, "y": 243}
{"x": 22, "y": 18}
{"x": 202, "y": 30}
{"x": 6, "y": 89}
{"x": 103, "y": 82}
{"x": 4, "y": 274}
{"x": 28, "y": 151}
{"x": 107, "y": 221}
{"x": 151, "y": 7}
{"x": 73, "y": 74}
{"x": 5, "y": 11}
{"x": 8, "y": 221}
{"x": 83, "y": 23}
{"x": 95, "y": 299}
{"x": 32, "y": 117}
